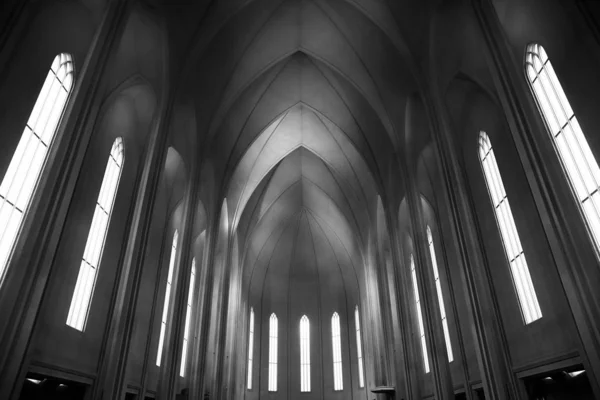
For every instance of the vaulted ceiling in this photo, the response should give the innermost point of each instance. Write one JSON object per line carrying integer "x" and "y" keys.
{"x": 300, "y": 113}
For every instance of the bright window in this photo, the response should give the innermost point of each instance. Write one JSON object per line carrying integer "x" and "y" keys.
{"x": 28, "y": 160}
{"x": 273, "y": 353}
{"x": 438, "y": 287}
{"x": 336, "y": 344}
{"x": 88, "y": 270}
{"x": 304, "y": 354}
{"x": 163, "y": 324}
{"x": 361, "y": 376}
{"x": 413, "y": 272}
{"x": 510, "y": 237}
{"x": 572, "y": 147}
{"x": 250, "y": 347}
{"x": 188, "y": 317}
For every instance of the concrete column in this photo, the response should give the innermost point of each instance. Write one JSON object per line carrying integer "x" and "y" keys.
{"x": 30, "y": 268}
{"x": 579, "y": 276}
{"x": 487, "y": 330}
{"x": 434, "y": 334}
{"x": 113, "y": 363}
{"x": 220, "y": 362}
{"x": 216, "y": 300}
{"x": 199, "y": 346}
{"x": 173, "y": 344}
{"x": 403, "y": 295}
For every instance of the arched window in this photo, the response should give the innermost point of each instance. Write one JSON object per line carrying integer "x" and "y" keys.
{"x": 361, "y": 376}
{"x": 273, "y": 353}
{"x": 336, "y": 345}
{"x": 510, "y": 237}
{"x": 88, "y": 270}
{"x": 250, "y": 347}
{"x": 569, "y": 141}
{"x": 188, "y": 317}
{"x": 413, "y": 273}
{"x": 28, "y": 160}
{"x": 163, "y": 323}
{"x": 304, "y": 354}
{"x": 438, "y": 287}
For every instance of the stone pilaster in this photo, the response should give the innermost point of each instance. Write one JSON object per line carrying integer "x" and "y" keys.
{"x": 173, "y": 344}
{"x": 578, "y": 275}
{"x": 31, "y": 264}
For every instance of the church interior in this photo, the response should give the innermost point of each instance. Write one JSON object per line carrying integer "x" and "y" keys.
{"x": 299, "y": 199}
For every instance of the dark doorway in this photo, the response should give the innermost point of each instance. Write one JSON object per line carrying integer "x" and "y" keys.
{"x": 40, "y": 387}
{"x": 558, "y": 385}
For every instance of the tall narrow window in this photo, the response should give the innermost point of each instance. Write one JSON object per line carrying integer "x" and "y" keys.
{"x": 188, "y": 317}
{"x": 438, "y": 287}
{"x": 413, "y": 273}
{"x": 88, "y": 270}
{"x": 163, "y": 323}
{"x": 336, "y": 345}
{"x": 510, "y": 237}
{"x": 361, "y": 376}
{"x": 29, "y": 158}
{"x": 273, "y": 353}
{"x": 304, "y": 354}
{"x": 250, "y": 347}
{"x": 572, "y": 147}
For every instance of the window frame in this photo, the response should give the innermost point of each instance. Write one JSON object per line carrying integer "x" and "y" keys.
{"x": 336, "y": 351}
{"x": 41, "y": 108}
{"x": 188, "y": 320}
{"x": 249, "y": 376}
{"x": 359, "y": 355}
{"x": 421, "y": 326}
{"x": 167, "y": 299}
{"x": 273, "y": 353}
{"x": 535, "y": 49}
{"x": 305, "y": 366}
{"x": 509, "y": 234}
{"x": 440, "y": 295}
{"x": 91, "y": 260}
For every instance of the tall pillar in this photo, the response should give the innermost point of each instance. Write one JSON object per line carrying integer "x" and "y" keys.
{"x": 218, "y": 262}
{"x": 173, "y": 341}
{"x": 28, "y": 273}
{"x": 489, "y": 339}
{"x": 432, "y": 321}
{"x": 198, "y": 352}
{"x": 220, "y": 361}
{"x": 579, "y": 277}
{"x": 403, "y": 294}
{"x": 113, "y": 363}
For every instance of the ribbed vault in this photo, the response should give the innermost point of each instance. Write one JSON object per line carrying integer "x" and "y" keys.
{"x": 300, "y": 110}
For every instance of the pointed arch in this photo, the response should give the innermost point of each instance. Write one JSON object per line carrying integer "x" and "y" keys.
{"x": 163, "y": 324}
{"x": 336, "y": 345}
{"x": 515, "y": 254}
{"x": 579, "y": 164}
{"x": 28, "y": 160}
{"x": 188, "y": 317}
{"x": 250, "y": 347}
{"x": 361, "y": 373}
{"x": 88, "y": 270}
{"x": 273, "y": 333}
{"x": 304, "y": 354}
{"x": 413, "y": 273}
{"x": 438, "y": 286}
